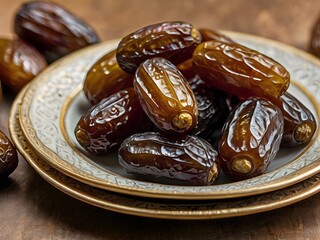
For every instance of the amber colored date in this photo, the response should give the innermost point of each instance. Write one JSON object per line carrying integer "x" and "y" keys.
{"x": 239, "y": 70}
{"x": 105, "y": 78}
{"x": 299, "y": 123}
{"x": 54, "y": 31}
{"x": 315, "y": 39}
{"x": 174, "y": 41}
{"x": 19, "y": 63}
{"x": 250, "y": 138}
{"x": 189, "y": 159}
{"x": 166, "y": 96}
{"x": 8, "y": 156}
{"x": 210, "y": 34}
{"x": 103, "y": 128}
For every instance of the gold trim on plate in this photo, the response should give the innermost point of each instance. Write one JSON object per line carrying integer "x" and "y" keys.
{"x": 156, "y": 208}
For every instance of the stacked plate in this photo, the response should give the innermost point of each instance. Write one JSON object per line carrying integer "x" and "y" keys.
{"x": 44, "y": 115}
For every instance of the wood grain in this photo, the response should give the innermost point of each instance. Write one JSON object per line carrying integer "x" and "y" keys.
{"x": 33, "y": 209}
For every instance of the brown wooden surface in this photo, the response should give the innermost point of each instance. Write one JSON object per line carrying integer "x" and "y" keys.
{"x": 33, "y": 209}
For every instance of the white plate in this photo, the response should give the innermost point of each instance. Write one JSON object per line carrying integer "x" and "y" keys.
{"x": 54, "y": 102}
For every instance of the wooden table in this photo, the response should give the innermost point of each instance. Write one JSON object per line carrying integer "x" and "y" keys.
{"x": 33, "y": 209}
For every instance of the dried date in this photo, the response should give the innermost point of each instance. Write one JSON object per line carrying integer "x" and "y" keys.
{"x": 53, "y": 30}
{"x": 105, "y": 78}
{"x": 299, "y": 123}
{"x": 103, "y": 128}
{"x": 315, "y": 39}
{"x": 166, "y": 96}
{"x": 19, "y": 63}
{"x": 174, "y": 41}
{"x": 213, "y": 110}
{"x": 210, "y": 34}
{"x": 8, "y": 156}
{"x": 239, "y": 70}
{"x": 250, "y": 138}
{"x": 189, "y": 158}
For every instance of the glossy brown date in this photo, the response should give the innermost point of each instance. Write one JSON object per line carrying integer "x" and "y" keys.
{"x": 54, "y": 31}
{"x": 166, "y": 96}
{"x": 315, "y": 39}
{"x": 299, "y": 123}
{"x": 105, "y": 78}
{"x": 103, "y": 128}
{"x": 8, "y": 156}
{"x": 19, "y": 63}
{"x": 239, "y": 70}
{"x": 250, "y": 138}
{"x": 172, "y": 40}
{"x": 210, "y": 34}
{"x": 189, "y": 159}
{"x": 213, "y": 110}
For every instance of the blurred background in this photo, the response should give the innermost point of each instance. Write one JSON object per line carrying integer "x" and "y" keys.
{"x": 286, "y": 21}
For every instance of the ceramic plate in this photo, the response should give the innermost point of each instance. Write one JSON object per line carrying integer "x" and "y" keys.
{"x": 156, "y": 208}
{"x": 54, "y": 102}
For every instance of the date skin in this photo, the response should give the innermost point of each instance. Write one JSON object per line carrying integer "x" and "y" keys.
{"x": 239, "y": 70}
{"x": 210, "y": 34}
{"x": 250, "y": 138}
{"x": 213, "y": 110}
{"x": 174, "y": 41}
{"x": 166, "y": 96}
{"x": 315, "y": 39}
{"x": 8, "y": 156}
{"x": 19, "y": 63}
{"x": 189, "y": 158}
{"x": 105, "y": 78}
{"x": 53, "y": 30}
{"x": 103, "y": 128}
{"x": 299, "y": 123}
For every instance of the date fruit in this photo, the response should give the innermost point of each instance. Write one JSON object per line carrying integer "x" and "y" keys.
{"x": 239, "y": 70}
{"x": 54, "y": 31}
{"x": 250, "y": 138}
{"x": 189, "y": 159}
{"x": 209, "y": 35}
{"x": 105, "y": 78}
{"x": 174, "y": 41}
{"x": 103, "y": 128}
{"x": 315, "y": 39}
{"x": 19, "y": 63}
{"x": 166, "y": 96}
{"x": 8, "y": 156}
{"x": 213, "y": 110}
{"x": 299, "y": 123}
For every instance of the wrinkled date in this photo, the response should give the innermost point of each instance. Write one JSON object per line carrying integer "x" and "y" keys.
{"x": 213, "y": 110}
{"x": 103, "y": 128}
{"x": 189, "y": 159}
{"x": 19, "y": 63}
{"x": 174, "y": 41}
{"x": 166, "y": 96}
{"x": 251, "y": 138}
{"x": 315, "y": 39}
{"x": 239, "y": 70}
{"x": 210, "y": 34}
{"x": 299, "y": 123}
{"x": 54, "y": 31}
{"x": 8, "y": 156}
{"x": 105, "y": 78}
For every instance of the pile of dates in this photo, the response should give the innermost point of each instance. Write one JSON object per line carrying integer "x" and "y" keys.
{"x": 44, "y": 32}
{"x": 182, "y": 103}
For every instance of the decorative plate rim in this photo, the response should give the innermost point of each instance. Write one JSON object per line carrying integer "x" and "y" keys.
{"x": 139, "y": 188}
{"x": 143, "y": 207}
